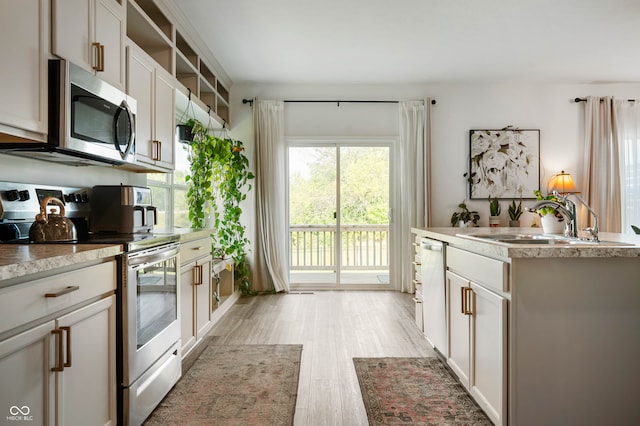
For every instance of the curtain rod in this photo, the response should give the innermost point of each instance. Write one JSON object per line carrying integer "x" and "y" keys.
{"x": 585, "y": 100}
{"x": 250, "y": 102}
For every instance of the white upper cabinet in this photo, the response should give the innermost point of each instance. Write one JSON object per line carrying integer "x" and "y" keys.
{"x": 23, "y": 85}
{"x": 90, "y": 33}
{"x": 152, "y": 87}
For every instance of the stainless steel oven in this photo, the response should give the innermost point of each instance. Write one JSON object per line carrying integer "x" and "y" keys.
{"x": 151, "y": 358}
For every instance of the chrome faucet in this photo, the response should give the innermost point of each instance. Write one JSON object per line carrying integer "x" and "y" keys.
{"x": 567, "y": 210}
{"x": 592, "y": 230}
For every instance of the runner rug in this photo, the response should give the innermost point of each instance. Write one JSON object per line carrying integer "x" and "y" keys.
{"x": 416, "y": 391}
{"x": 235, "y": 385}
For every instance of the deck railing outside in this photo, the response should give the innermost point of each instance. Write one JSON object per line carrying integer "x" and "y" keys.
{"x": 364, "y": 247}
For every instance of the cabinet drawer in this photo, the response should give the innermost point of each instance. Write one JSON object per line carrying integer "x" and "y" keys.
{"x": 31, "y": 300}
{"x": 194, "y": 249}
{"x": 483, "y": 270}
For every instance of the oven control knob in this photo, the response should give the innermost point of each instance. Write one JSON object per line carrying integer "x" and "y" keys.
{"x": 68, "y": 198}
{"x": 23, "y": 195}
{"x": 84, "y": 197}
{"x": 77, "y": 198}
{"x": 12, "y": 195}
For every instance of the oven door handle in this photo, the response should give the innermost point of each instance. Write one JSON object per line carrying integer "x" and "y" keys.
{"x": 152, "y": 258}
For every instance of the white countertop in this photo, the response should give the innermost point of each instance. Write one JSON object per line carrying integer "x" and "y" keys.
{"x": 460, "y": 238}
{"x": 17, "y": 260}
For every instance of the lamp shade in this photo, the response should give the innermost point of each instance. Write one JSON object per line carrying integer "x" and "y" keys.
{"x": 563, "y": 183}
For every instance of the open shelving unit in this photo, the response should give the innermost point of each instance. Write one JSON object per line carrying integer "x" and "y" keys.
{"x": 153, "y": 32}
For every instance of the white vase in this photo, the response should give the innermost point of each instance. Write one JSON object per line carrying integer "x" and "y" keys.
{"x": 552, "y": 225}
{"x": 494, "y": 221}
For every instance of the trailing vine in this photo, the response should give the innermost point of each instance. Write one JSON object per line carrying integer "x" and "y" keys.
{"x": 219, "y": 182}
{"x": 199, "y": 192}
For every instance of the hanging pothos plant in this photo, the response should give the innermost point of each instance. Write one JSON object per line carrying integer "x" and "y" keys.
{"x": 199, "y": 194}
{"x": 231, "y": 175}
{"x": 219, "y": 180}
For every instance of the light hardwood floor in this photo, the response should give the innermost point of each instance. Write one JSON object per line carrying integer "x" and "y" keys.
{"x": 333, "y": 327}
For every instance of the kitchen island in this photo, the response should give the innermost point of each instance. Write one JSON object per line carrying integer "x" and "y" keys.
{"x": 552, "y": 331}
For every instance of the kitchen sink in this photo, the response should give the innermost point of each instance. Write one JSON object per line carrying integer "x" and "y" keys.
{"x": 540, "y": 239}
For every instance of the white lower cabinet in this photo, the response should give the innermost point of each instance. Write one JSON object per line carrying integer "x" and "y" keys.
{"x": 86, "y": 386}
{"x": 196, "y": 292}
{"x": 58, "y": 349}
{"x": 63, "y": 371}
{"x": 477, "y": 349}
{"x": 25, "y": 362}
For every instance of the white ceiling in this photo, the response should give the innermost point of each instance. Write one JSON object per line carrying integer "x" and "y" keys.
{"x": 410, "y": 41}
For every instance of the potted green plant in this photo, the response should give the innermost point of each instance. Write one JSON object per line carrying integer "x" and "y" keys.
{"x": 464, "y": 217}
{"x": 185, "y": 130}
{"x": 494, "y": 212}
{"x": 552, "y": 221}
{"x": 515, "y": 211}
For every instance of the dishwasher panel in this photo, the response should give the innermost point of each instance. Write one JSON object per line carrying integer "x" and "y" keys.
{"x": 433, "y": 291}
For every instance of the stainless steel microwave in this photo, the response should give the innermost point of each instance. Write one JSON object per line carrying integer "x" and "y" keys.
{"x": 90, "y": 121}
{"x": 89, "y": 116}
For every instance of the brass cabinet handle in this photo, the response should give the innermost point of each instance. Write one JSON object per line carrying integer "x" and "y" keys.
{"x": 59, "y": 366}
{"x": 462, "y": 300}
{"x": 417, "y": 263}
{"x": 98, "y": 50}
{"x": 159, "y": 150}
{"x": 101, "y": 66}
{"x": 155, "y": 150}
{"x": 68, "y": 330}
{"x": 468, "y": 303}
{"x": 64, "y": 291}
{"x": 197, "y": 275}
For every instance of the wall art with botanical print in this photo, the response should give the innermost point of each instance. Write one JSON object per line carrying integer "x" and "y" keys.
{"x": 504, "y": 163}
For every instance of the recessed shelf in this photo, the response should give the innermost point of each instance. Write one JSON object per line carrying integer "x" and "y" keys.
{"x": 207, "y": 75}
{"x": 148, "y": 36}
{"x": 154, "y": 14}
{"x": 149, "y": 28}
{"x": 224, "y": 93}
{"x": 186, "y": 50}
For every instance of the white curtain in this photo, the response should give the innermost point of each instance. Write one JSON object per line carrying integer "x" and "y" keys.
{"x": 628, "y": 124}
{"x": 268, "y": 118}
{"x": 414, "y": 123}
{"x": 601, "y": 179}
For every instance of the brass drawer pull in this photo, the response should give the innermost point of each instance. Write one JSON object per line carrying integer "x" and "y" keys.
{"x": 64, "y": 291}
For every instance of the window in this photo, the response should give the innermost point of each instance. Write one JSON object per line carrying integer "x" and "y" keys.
{"x": 169, "y": 192}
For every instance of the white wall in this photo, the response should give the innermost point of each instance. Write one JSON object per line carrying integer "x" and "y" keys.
{"x": 459, "y": 108}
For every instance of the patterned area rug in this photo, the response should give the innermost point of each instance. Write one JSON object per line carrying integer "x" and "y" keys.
{"x": 235, "y": 385}
{"x": 414, "y": 391}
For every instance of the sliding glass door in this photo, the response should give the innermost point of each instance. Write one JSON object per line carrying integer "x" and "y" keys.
{"x": 339, "y": 215}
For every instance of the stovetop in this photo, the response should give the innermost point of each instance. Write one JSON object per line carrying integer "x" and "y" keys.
{"x": 20, "y": 202}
